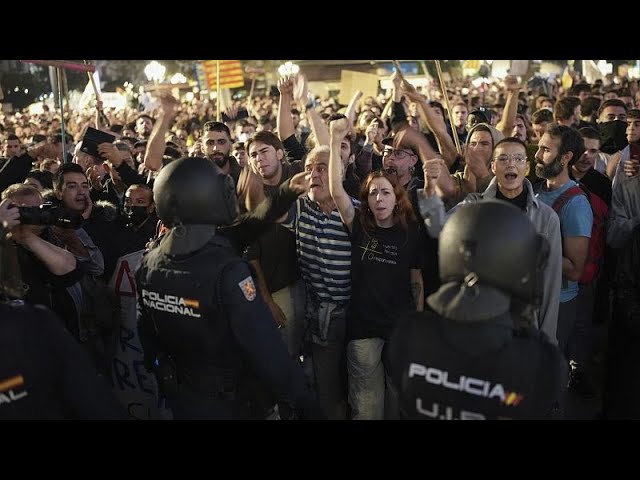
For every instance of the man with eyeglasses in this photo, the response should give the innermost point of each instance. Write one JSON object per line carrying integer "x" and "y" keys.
{"x": 510, "y": 167}
{"x": 401, "y": 155}
{"x": 401, "y": 161}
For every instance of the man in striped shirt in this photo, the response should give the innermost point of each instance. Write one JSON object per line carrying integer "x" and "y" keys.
{"x": 324, "y": 259}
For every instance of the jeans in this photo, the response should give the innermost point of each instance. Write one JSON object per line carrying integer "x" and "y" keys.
{"x": 366, "y": 378}
{"x": 326, "y": 322}
{"x": 371, "y": 394}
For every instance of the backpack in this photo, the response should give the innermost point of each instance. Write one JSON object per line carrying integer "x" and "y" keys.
{"x": 597, "y": 242}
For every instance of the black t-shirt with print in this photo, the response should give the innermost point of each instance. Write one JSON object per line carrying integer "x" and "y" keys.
{"x": 380, "y": 279}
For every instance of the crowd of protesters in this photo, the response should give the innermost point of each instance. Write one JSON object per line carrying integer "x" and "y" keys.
{"x": 360, "y": 248}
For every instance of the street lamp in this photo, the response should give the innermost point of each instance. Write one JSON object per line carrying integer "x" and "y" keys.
{"x": 288, "y": 69}
{"x": 178, "y": 78}
{"x": 155, "y": 72}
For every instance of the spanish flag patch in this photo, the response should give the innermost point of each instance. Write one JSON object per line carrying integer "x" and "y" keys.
{"x": 248, "y": 288}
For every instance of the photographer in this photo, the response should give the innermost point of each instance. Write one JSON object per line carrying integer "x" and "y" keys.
{"x": 44, "y": 374}
{"x": 46, "y": 267}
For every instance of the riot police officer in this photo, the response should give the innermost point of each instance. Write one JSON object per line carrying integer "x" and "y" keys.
{"x": 44, "y": 373}
{"x": 204, "y": 328}
{"x": 467, "y": 359}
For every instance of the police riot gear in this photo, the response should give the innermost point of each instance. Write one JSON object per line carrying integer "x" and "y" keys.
{"x": 193, "y": 190}
{"x": 493, "y": 243}
{"x": 467, "y": 359}
{"x": 205, "y": 330}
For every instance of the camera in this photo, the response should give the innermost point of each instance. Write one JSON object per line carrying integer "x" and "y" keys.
{"x": 49, "y": 214}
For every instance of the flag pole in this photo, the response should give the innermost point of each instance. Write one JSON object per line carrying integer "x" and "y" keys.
{"x": 454, "y": 132}
{"x": 60, "y": 101}
{"x": 219, "y": 90}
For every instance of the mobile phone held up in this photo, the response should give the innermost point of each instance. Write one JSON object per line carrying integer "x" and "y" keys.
{"x": 92, "y": 138}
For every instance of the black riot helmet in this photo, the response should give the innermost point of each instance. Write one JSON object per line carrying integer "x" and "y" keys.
{"x": 193, "y": 190}
{"x": 494, "y": 243}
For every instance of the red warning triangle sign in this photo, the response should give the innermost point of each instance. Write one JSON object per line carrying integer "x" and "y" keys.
{"x": 125, "y": 284}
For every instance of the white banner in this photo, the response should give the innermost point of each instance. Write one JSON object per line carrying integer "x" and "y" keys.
{"x": 88, "y": 95}
{"x": 590, "y": 71}
{"x": 134, "y": 385}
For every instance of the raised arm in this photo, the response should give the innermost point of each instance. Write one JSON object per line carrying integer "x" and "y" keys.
{"x": 430, "y": 205}
{"x": 386, "y": 111}
{"x": 318, "y": 126}
{"x": 128, "y": 175}
{"x": 250, "y": 189}
{"x": 156, "y": 146}
{"x": 435, "y": 123}
{"x": 338, "y": 129}
{"x": 508, "y": 120}
{"x": 351, "y": 108}
{"x": 364, "y": 158}
{"x": 417, "y": 141}
{"x": 247, "y": 228}
{"x": 100, "y": 116}
{"x": 284, "y": 120}
{"x": 397, "y": 115}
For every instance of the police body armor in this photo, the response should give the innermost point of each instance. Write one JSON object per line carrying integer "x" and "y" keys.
{"x": 184, "y": 324}
{"x": 513, "y": 374}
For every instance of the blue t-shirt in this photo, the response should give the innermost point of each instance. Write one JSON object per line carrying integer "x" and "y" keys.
{"x": 576, "y": 219}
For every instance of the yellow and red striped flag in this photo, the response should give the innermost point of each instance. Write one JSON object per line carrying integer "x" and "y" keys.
{"x": 231, "y": 75}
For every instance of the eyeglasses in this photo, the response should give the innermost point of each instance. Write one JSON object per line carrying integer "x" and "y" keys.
{"x": 518, "y": 159}
{"x": 399, "y": 154}
{"x": 385, "y": 172}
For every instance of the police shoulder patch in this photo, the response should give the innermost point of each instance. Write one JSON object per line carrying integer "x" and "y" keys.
{"x": 248, "y": 288}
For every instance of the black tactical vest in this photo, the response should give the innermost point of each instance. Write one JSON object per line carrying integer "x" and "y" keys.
{"x": 521, "y": 378}
{"x": 181, "y": 298}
